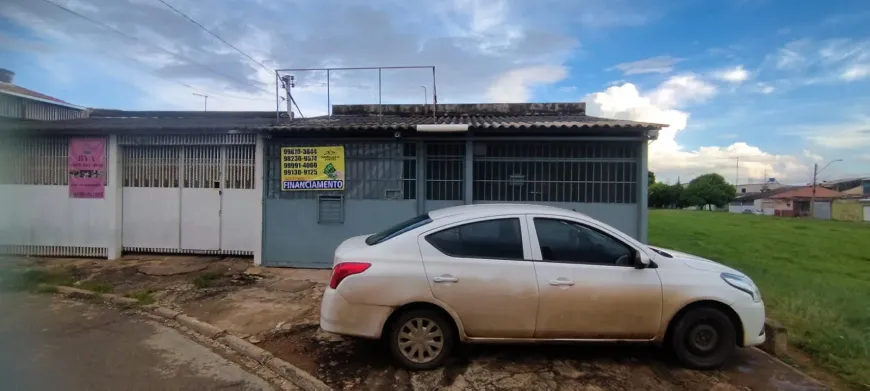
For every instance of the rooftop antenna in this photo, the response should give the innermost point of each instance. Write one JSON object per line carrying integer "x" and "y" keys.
{"x": 205, "y": 105}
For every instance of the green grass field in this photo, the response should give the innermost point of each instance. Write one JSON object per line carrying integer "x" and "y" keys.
{"x": 814, "y": 276}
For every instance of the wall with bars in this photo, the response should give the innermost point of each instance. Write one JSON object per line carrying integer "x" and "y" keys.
{"x": 597, "y": 178}
{"x": 37, "y": 217}
{"x": 392, "y": 180}
{"x": 21, "y": 108}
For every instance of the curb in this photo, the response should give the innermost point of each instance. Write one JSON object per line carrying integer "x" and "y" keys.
{"x": 284, "y": 369}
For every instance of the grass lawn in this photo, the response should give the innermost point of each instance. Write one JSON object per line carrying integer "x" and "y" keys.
{"x": 814, "y": 276}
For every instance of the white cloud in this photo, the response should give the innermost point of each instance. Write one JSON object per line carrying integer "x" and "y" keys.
{"x": 856, "y": 72}
{"x": 668, "y": 158}
{"x": 812, "y": 156}
{"x": 516, "y": 85}
{"x": 661, "y": 64}
{"x": 682, "y": 90}
{"x": 765, "y": 88}
{"x": 735, "y": 75}
{"x": 791, "y": 55}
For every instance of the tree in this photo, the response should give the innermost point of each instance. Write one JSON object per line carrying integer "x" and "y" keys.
{"x": 651, "y": 178}
{"x": 659, "y": 195}
{"x": 708, "y": 189}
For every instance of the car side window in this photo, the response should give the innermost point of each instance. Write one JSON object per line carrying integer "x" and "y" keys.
{"x": 497, "y": 239}
{"x": 566, "y": 241}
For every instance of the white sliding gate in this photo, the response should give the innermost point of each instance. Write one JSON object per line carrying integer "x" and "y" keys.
{"x": 191, "y": 198}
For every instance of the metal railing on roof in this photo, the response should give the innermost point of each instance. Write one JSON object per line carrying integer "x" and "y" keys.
{"x": 288, "y": 81}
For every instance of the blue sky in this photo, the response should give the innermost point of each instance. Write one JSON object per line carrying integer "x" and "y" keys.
{"x": 779, "y": 84}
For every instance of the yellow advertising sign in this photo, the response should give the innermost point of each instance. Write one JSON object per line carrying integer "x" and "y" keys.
{"x": 312, "y": 168}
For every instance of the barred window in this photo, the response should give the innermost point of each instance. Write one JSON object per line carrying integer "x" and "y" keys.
{"x": 34, "y": 160}
{"x": 375, "y": 171}
{"x": 592, "y": 172}
{"x": 445, "y": 171}
{"x": 151, "y": 166}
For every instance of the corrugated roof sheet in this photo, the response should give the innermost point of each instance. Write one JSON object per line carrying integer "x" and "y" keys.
{"x": 477, "y": 122}
{"x": 8, "y": 87}
{"x": 267, "y": 122}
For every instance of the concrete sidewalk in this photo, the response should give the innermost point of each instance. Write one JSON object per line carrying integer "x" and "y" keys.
{"x": 52, "y": 343}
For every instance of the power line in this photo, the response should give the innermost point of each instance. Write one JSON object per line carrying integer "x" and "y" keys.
{"x": 125, "y": 35}
{"x": 215, "y": 35}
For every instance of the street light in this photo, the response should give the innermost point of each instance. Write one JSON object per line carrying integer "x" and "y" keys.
{"x": 816, "y": 172}
{"x": 425, "y": 95}
{"x": 205, "y": 104}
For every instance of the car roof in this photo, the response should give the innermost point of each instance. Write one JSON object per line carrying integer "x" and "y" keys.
{"x": 494, "y": 209}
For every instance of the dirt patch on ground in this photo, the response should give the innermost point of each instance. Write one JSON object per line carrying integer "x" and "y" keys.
{"x": 224, "y": 291}
{"x": 366, "y": 365}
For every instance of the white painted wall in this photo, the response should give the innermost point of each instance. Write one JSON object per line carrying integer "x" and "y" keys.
{"x": 37, "y": 215}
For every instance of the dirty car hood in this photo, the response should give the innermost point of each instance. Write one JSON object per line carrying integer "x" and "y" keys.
{"x": 698, "y": 263}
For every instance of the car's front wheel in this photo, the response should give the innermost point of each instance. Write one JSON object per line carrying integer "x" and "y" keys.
{"x": 421, "y": 339}
{"x": 703, "y": 338}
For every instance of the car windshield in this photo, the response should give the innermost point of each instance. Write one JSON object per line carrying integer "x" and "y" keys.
{"x": 398, "y": 229}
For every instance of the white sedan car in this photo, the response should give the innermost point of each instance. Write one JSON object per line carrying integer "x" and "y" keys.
{"x": 527, "y": 273}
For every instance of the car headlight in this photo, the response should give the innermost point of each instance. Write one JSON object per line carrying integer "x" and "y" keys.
{"x": 744, "y": 284}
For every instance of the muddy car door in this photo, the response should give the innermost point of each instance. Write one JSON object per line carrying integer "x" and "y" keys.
{"x": 588, "y": 285}
{"x": 481, "y": 270}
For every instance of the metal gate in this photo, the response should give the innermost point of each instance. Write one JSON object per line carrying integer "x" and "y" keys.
{"x": 302, "y": 228}
{"x": 822, "y": 210}
{"x": 189, "y": 199}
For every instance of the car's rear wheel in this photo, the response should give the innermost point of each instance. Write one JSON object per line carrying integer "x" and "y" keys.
{"x": 421, "y": 339}
{"x": 703, "y": 338}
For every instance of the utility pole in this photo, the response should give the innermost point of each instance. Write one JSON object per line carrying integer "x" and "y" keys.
{"x": 205, "y": 104}
{"x": 816, "y": 172}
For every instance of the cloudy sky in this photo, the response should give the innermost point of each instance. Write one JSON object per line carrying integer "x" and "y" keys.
{"x": 779, "y": 84}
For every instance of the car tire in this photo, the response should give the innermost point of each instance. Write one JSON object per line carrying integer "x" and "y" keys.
{"x": 421, "y": 339}
{"x": 703, "y": 338}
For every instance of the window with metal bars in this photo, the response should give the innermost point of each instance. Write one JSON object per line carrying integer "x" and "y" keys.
{"x": 592, "y": 172}
{"x": 156, "y": 166}
{"x": 34, "y": 160}
{"x": 375, "y": 170}
{"x": 445, "y": 171}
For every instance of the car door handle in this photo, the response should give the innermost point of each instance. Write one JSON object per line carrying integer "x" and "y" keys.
{"x": 446, "y": 278}
{"x": 561, "y": 282}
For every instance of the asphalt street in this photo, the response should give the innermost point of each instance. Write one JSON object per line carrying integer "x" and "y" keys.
{"x": 51, "y": 343}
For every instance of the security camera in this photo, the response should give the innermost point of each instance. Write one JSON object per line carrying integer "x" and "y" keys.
{"x": 397, "y": 134}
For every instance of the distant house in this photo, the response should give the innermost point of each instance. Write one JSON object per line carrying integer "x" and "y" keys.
{"x": 20, "y": 103}
{"x": 757, "y": 202}
{"x": 796, "y": 202}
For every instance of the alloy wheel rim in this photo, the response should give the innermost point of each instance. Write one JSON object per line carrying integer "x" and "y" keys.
{"x": 420, "y": 340}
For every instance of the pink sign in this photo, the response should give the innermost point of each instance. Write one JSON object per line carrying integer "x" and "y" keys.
{"x": 87, "y": 167}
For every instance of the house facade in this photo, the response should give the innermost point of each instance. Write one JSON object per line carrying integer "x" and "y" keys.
{"x": 19, "y": 103}
{"x": 236, "y": 183}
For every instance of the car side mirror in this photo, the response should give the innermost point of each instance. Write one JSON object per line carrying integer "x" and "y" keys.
{"x": 641, "y": 261}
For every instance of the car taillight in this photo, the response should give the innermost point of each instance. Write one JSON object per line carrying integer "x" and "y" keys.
{"x": 343, "y": 270}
